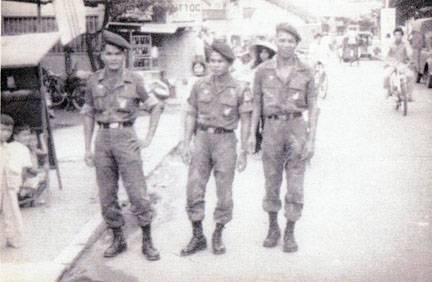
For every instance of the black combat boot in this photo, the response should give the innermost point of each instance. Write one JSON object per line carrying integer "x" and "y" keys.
{"x": 147, "y": 247}
{"x": 118, "y": 245}
{"x": 198, "y": 241}
{"x": 290, "y": 244}
{"x": 218, "y": 246}
{"x": 274, "y": 232}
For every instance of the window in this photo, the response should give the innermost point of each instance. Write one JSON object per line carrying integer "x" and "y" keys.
{"x": 21, "y": 25}
{"x": 141, "y": 52}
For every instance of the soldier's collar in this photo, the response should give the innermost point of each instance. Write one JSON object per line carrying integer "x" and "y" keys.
{"x": 125, "y": 75}
{"x": 300, "y": 66}
{"x": 228, "y": 81}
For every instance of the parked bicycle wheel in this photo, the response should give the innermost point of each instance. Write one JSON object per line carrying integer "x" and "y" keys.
{"x": 78, "y": 97}
{"x": 58, "y": 96}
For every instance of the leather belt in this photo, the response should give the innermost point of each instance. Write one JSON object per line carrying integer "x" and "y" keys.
{"x": 215, "y": 130}
{"x": 116, "y": 124}
{"x": 288, "y": 116}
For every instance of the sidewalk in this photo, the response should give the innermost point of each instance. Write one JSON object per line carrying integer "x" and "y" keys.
{"x": 58, "y": 231}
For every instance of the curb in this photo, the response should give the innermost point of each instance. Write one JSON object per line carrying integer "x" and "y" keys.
{"x": 88, "y": 235}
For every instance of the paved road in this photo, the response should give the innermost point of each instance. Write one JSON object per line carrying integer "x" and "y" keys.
{"x": 367, "y": 215}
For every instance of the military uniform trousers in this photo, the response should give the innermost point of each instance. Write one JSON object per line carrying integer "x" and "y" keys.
{"x": 114, "y": 158}
{"x": 215, "y": 152}
{"x": 283, "y": 143}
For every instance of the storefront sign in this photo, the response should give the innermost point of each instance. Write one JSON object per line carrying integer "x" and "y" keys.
{"x": 186, "y": 11}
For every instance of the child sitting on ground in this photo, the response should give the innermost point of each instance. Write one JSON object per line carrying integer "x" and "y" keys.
{"x": 36, "y": 175}
{"x": 15, "y": 162}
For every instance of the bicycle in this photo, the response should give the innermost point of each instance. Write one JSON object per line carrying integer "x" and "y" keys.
{"x": 321, "y": 80}
{"x": 69, "y": 92}
{"x": 55, "y": 88}
{"x": 398, "y": 87}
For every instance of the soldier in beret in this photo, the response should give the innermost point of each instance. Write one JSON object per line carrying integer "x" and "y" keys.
{"x": 112, "y": 99}
{"x": 216, "y": 105}
{"x": 284, "y": 90}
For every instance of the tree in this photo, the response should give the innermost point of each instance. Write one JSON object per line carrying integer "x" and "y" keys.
{"x": 125, "y": 10}
{"x": 406, "y": 9}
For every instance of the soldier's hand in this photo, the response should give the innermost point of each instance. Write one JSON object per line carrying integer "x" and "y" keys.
{"x": 186, "y": 154}
{"x": 242, "y": 162}
{"x": 251, "y": 144}
{"x": 308, "y": 151}
{"x": 89, "y": 159}
{"x": 138, "y": 144}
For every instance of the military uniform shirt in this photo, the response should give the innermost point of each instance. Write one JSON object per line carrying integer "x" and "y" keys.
{"x": 277, "y": 97}
{"x": 219, "y": 107}
{"x": 117, "y": 104}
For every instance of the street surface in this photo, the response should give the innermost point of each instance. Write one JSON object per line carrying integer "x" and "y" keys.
{"x": 368, "y": 203}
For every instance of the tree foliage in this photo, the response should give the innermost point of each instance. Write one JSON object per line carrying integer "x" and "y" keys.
{"x": 126, "y": 10}
{"x": 157, "y": 9}
{"x": 406, "y": 9}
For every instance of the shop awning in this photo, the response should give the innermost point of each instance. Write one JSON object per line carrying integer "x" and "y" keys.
{"x": 159, "y": 28}
{"x": 26, "y": 50}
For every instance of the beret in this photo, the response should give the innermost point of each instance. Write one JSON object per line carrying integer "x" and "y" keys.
{"x": 6, "y": 120}
{"x": 223, "y": 49}
{"x": 290, "y": 29}
{"x": 116, "y": 40}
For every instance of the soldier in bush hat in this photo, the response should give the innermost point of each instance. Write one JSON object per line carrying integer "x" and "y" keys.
{"x": 215, "y": 106}
{"x": 112, "y": 99}
{"x": 284, "y": 90}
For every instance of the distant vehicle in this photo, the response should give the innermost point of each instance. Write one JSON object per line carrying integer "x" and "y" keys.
{"x": 365, "y": 45}
{"x": 423, "y": 55}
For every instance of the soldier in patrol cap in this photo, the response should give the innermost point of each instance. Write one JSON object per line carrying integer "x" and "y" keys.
{"x": 283, "y": 91}
{"x": 216, "y": 105}
{"x": 112, "y": 99}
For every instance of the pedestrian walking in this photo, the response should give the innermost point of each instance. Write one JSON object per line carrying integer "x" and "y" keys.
{"x": 283, "y": 90}
{"x": 216, "y": 105}
{"x": 112, "y": 99}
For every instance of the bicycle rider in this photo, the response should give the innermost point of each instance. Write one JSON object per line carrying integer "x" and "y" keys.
{"x": 397, "y": 55}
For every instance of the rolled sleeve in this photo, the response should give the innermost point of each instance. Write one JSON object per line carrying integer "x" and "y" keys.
{"x": 192, "y": 101}
{"x": 246, "y": 100}
{"x": 88, "y": 107}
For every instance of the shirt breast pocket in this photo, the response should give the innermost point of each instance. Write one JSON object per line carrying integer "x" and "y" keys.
{"x": 100, "y": 99}
{"x": 297, "y": 93}
{"x": 127, "y": 99}
{"x": 270, "y": 90}
{"x": 204, "y": 101}
{"x": 229, "y": 106}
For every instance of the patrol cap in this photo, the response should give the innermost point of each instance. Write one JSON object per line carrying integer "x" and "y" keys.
{"x": 223, "y": 49}
{"x": 116, "y": 40}
{"x": 290, "y": 29}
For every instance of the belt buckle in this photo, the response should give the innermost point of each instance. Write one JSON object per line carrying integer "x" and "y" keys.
{"x": 114, "y": 125}
{"x": 211, "y": 130}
